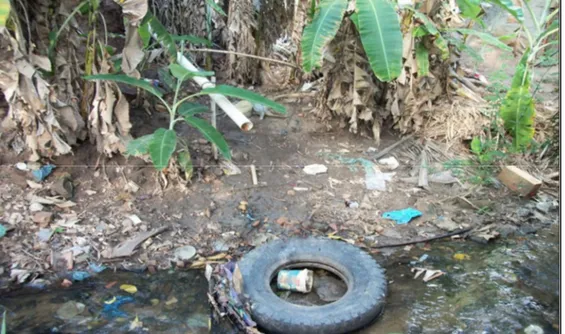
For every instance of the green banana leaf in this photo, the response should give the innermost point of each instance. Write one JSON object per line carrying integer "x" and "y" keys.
{"x": 379, "y": 29}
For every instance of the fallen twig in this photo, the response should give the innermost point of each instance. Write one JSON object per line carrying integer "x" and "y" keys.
{"x": 424, "y": 240}
{"x": 385, "y": 151}
{"x": 245, "y": 55}
{"x": 253, "y": 175}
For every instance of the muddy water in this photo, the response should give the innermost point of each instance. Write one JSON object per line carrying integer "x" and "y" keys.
{"x": 500, "y": 288}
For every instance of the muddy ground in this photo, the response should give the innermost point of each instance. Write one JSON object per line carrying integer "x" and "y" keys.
{"x": 207, "y": 214}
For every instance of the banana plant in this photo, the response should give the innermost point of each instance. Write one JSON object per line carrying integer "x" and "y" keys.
{"x": 518, "y": 110}
{"x": 379, "y": 30}
{"x": 162, "y": 144}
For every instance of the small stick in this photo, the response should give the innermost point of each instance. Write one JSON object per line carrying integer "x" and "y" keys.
{"x": 384, "y": 152}
{"x": 245, "y": 55}
{"x": 253, "y": 174}
{"x": 213, "y": 107}
{"x": 424, "y": 240}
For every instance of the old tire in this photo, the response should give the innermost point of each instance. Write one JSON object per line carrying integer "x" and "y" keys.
{"x": 361, "y": 304}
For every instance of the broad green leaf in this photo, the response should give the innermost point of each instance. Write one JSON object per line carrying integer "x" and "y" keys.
{"x": 210, "y": 133}
{"x": 517, "y": 110}
{"x": 318, "y": 34}
{"x": 188, "y": 109}
{"x": 192, "y": 39}
{"x": 216, "y": 7}
{"x": 476, "y": 146}
{"x": 380, "y": 34}
{"x": 508, "y": 6}
{"x": 156, "y": 29}
{"x": 420, "y": 31}
{"x": 4, "y": 12}
{"x": 245, "y": 95}
{"x": 185, "y": 163}
{"x": 161, "y": 147}
{"x": 145, "y": 34}
{"x": 441, "y": 44}
{"x": 182, "y": 73}
{"x": 485, "y": 37}
{"x": 126, "y": 80}
{"x": 469, "y": 8}
{"x": 139, "y": 146}
{"x": 429, "y": 25}
{"x": 422, "y": 60}
{"x": 355, "y": 19}
{"x": 166, "y": 78}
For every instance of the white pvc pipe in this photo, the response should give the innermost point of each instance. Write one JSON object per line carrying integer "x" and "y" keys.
{"x": 243, "y": 122}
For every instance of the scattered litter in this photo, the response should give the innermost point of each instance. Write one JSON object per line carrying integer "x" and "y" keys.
{"x": 295, "y": 280}
{"x": 337, "y": 237}
{"x": 97, "y": 268}
{"x": 171, "y": 301}
{"x": 128, "y": 288}
{"x": 44, "y": 234}
{"x": 80, "y": 275}
{"x": 402, "y": 216}
{"x": 22, "y": 166}
{"x": 33, "y": 184}
{"x": 47, "y": 200}
{"x": 253, "y": 174}
{"x": 19, "y": 275}
{"x": 461, "y": 257}
{"x": 315, "y": 169}
{"x": 110, "y": 285}
{"x": 66, "y": 283}
{"x": 3, "y": 231}
{"x": 423, "y": 258}
{"x": 300, "y": 189}
{"x": 134, "y": 219}
{"x": 64, "y": 186}
{"x": 444, "y": 177}
{"x": 132, "y": 187}
{"x": 429, "y": 274}
{"x": 35, "y": 207}
{"x": 42, "y": 218}
{"x": 533, "y": 329}
{"x": 112, "y": 310}
{"x": 229, "y": 168}
{"x": 225, "y": 299}
{"x": 41, "y": 173}
{"x": 445, "y": 223}
{"x": 390, "y": 163}
{"x": 135, "y": 324}
{"x": 70, "y": 310}
{"x": 374, "y": 178}
{"x": 352, "y": 204}
{"x": 127, "y": 248}
{"x": 184, "y": 253}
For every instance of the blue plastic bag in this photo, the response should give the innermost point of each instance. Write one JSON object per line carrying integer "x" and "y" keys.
{"x": 42, "y": 172}
{"x": 402, "y": 216}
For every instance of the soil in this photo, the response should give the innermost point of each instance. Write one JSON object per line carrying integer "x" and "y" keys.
{"x": 207, "y": 212}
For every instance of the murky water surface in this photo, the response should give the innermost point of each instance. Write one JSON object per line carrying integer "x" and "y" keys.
{"x": 499, "y": 288}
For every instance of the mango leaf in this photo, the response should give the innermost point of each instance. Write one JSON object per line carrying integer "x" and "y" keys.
{"x": 210, "y": 133}
{"x": 185, "y": 163}
{"x": 192, "y": 39}
{"x": 245, "y": 95}
{"x": 145, "y": 34}
{"x": 189, "y": 109}
{"x": 4, "y": 12}
{"x": 126, "y": 80}
{"x": 469, "y": 8}
{"x": 182, "y": 73}
{"x": 422, "y": 60}
{"x": 485, "y": 37}
{"x": 161, "y": 147}
{"x": 508, "y": 6}
{"x": 380, "y": 34}
{"x": 216, "y": 7}
{"x": 321, "y": 31}
{"x": 476, "y": 146}
{"x": 157, "y": 30}
{"x": 139, "y": 146}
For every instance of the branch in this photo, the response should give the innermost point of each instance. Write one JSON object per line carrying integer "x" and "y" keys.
{"x": 245, "y": 55}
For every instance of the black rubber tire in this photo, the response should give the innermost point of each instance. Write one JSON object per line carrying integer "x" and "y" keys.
{"x": 361, "y": 304}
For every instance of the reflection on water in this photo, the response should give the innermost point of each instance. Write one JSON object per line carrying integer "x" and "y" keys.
{"x": 502, "y": 288}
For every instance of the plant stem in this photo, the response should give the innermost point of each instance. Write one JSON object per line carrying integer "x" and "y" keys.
{"x": 545, "y": 11}
{"x": 531, "y": 12}
{"x": 176, "y": 105}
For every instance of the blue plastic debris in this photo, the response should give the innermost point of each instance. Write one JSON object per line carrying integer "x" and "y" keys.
{"x": 80, "y": 275}
{"x": 2, "y": 230}
{"x": 402, "y": 216}
{"x": 41, "y": 173}
{"x": 423, "y": 258}
{"x": 113, "y": 310}
{"x": 97, "y": 268}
